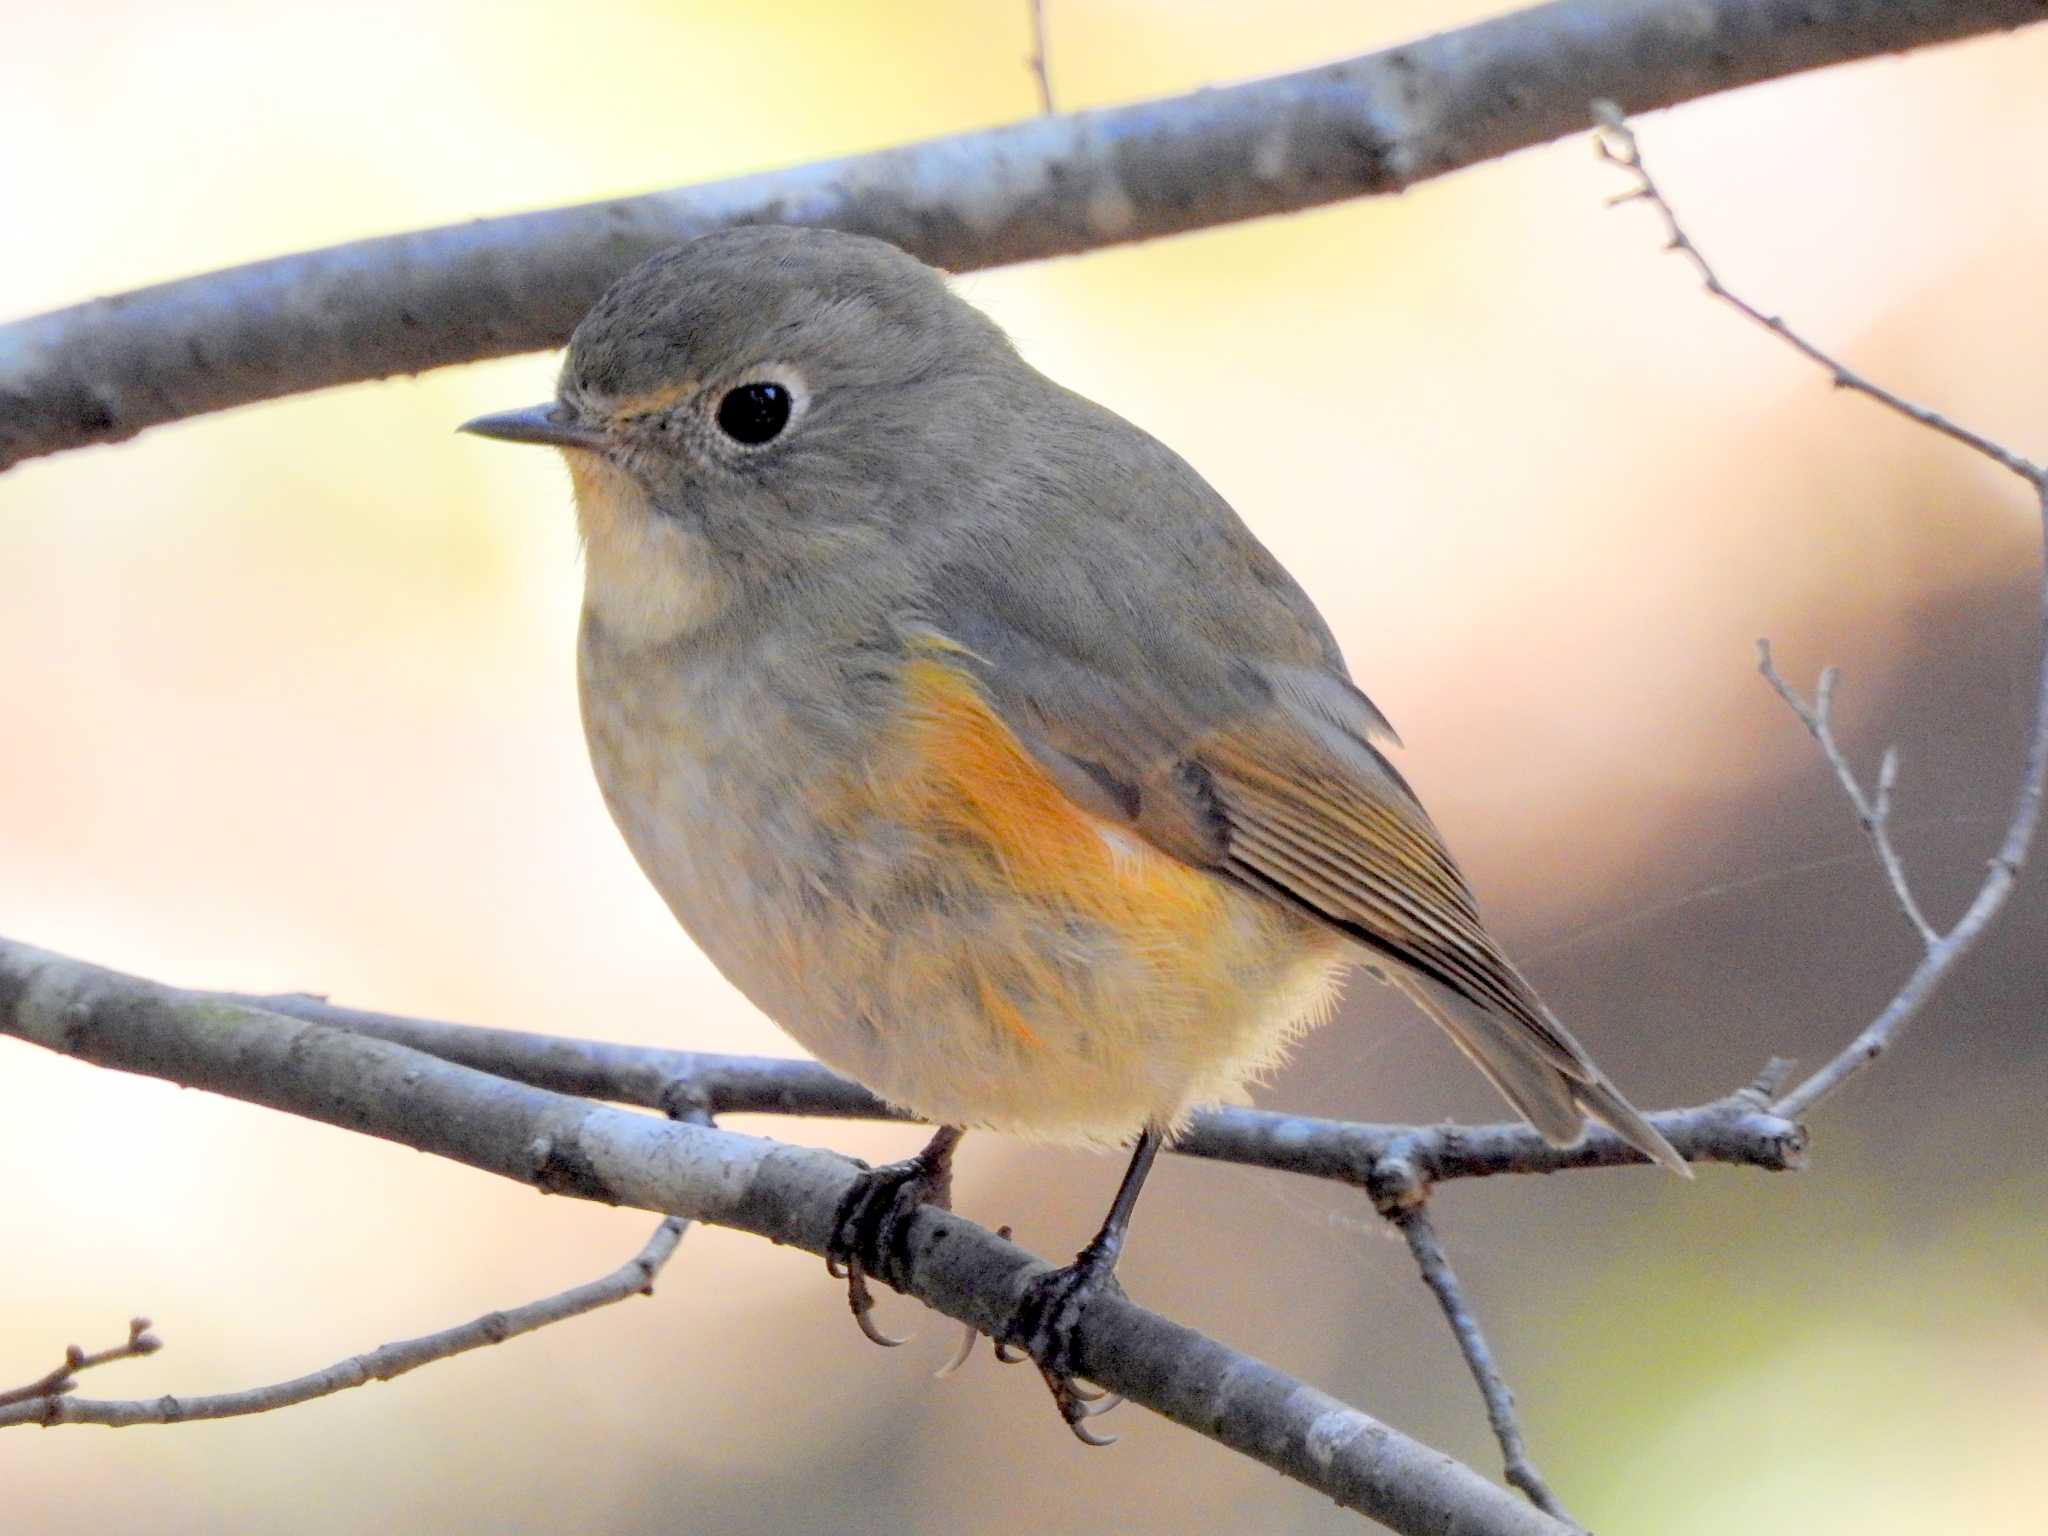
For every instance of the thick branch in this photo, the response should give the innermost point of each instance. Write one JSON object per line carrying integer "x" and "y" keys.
{"x": 786, "y": 1193}
{"x": 102, "y": 372}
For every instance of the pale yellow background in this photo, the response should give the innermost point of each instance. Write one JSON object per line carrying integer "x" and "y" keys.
{"x": 289, "y": 705}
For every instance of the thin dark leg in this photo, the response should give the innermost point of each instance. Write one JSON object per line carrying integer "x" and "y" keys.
{"x": 874, "y": 1214}
{"x": 1052, "y": 1308}
{"x": 1109, "y": 1242}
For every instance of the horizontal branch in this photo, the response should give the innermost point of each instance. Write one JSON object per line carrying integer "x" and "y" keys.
{"x": 788, "y": 1194}
{"x": 103, "y": 371}
{"x": 1394, "y": 1162}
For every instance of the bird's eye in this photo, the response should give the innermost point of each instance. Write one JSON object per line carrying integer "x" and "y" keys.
{"x": 753, "y": 414}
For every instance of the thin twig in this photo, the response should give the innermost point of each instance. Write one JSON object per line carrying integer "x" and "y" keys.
{"x": 1738, "y": 1130}
{"x": 633, "y": 1278}
{"x": 1036, "y": 58}
{"x": 1402, "y": 1181}
{"x": 1617, "y": 144}
{"x": 1873, "y": 808}
{"x": 1414, "y": 1224}
{"x": 64, "y": 1378}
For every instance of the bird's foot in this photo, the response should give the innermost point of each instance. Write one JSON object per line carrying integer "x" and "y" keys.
{"x": 873, "y": 1218}
{"x": 1043, "y": 1330}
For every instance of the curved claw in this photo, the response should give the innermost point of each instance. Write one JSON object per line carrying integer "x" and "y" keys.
{"x": 960, "y": 1355}
{"x": 1043, "y": 1330}
{"x": 862, "y": 1302}
{"x": 1088, "y": 1436}
{"x": 1009, "y": 1354}
{"x": 1078, "y": 1411}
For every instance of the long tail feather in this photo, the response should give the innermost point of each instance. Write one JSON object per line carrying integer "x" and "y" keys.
{"x": 1553, "y": 1101}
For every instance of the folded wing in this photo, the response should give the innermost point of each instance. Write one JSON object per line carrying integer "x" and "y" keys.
{"x": 1270, "y": 776}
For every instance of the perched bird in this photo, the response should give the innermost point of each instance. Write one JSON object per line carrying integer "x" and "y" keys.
{"x": 976, "y": 740}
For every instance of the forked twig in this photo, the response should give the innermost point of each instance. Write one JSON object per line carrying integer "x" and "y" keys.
{"x": 64, "y": 1378}
{"x": 49, "y": 1400}
{"x": 1873, "y": 807}
{"x": 1616, "y": 143}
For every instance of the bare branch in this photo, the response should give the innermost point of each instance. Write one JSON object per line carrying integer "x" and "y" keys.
{"x": 102, "y": 372}
{"x": 1617, "y": 144}
{"x": 1414, "y": 1223}
{"x": 1873, "y": 809}
{"x": 1036, "y": 58}
{"x": 1737, "y": 1130}
{"x": 633, "y": 1278}
{"x": 64, "y": 1378}
{"x": 786, "y": 1193}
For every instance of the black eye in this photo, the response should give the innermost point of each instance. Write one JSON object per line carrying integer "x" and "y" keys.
{"x": 754, "y": 413}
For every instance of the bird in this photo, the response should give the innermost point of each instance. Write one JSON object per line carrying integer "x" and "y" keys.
{"x": 977, "y": 740}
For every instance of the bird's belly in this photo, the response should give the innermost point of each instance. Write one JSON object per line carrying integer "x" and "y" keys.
{"x": 929, "y": 914}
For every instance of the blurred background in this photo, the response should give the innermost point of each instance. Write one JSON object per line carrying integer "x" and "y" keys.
{"x": 290, "y": 706}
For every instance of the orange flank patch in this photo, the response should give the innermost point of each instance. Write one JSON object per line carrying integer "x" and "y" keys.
{"x": 1051, "y": 971}
{"x": 976, "y": 783}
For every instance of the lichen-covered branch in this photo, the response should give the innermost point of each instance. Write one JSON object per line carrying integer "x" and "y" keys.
{"x": 786, "y": 1193}
{"x": 103, "y": 371}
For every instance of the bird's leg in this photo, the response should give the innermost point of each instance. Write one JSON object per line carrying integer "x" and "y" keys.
{"x": 1052, "y": 1307}
{"x": 872, "y": 1218}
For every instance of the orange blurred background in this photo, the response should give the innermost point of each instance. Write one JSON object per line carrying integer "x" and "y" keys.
{"x": 290, "y": 706}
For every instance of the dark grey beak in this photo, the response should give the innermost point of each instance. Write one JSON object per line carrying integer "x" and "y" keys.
{"x": 547, "y": 424}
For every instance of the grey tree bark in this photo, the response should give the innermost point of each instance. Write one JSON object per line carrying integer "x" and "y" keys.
{"x": 103, "y": 371}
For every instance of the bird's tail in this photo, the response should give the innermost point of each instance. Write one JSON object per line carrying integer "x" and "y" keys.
{"x": 1552, "y": 1096}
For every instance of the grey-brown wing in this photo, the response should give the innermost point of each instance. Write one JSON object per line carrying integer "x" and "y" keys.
{"x": 1271, "y": 777}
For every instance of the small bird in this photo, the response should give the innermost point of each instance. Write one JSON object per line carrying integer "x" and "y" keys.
{"x": 976, "y": 740}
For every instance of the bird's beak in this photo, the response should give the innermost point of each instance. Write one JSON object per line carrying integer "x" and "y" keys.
{"x": 549, "y": 424}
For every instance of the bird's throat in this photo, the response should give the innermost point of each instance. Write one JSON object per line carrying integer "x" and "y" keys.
{"x": 648, "y": 578}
